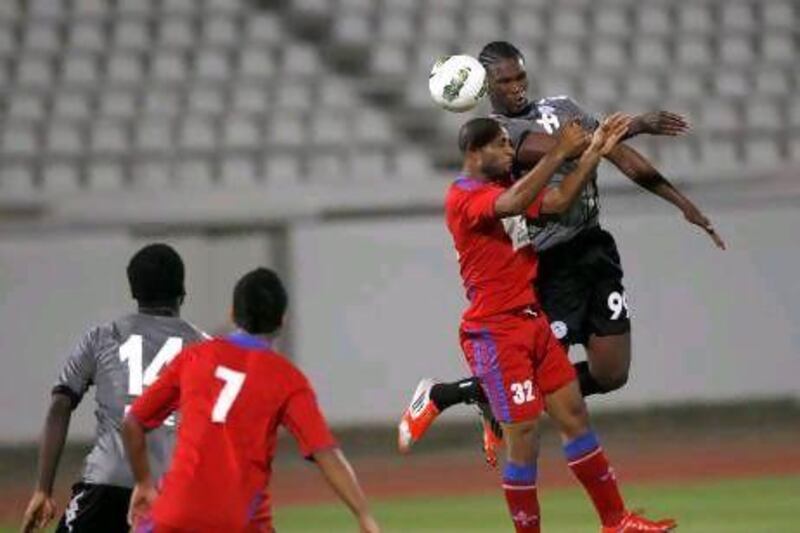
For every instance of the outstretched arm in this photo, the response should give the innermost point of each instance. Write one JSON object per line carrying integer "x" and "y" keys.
{"x": 341, "y": 477}
{"x": 636, "y": 167}
{"x": 658, "y": 123}
{"x": 42, "y": 508}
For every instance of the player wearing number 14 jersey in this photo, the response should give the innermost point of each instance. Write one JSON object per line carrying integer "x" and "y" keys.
{"x": 119, "y": 359}
{"x": 233, "y": 393}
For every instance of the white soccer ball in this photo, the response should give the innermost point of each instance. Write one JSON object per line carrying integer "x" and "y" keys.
{"x": 457, "y": 83}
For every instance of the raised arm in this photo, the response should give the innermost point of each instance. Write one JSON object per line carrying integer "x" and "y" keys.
{"x": 341, "y": 477}
{"x": 572, "y": 140}
{"x": 636, "y": 167}
{"x": 559, "y": 198}
{"x": 42, "y": 507}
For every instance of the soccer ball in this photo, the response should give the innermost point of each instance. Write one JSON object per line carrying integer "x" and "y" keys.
{"x": 457, "y": 83}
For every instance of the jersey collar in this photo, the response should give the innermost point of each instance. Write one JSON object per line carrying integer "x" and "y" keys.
{"x": 250, "y": 342}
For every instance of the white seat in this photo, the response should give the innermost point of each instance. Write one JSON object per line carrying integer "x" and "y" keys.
{"x": 19, "y": 139}
{"x": 176, "y": 32}
{"x": 300, "y": 60}
{"x": 608, "y": 53}
{"x": 737, "y": 51}
{"x": 363, "y": 6}
{"x": 694, "y": 51}
{"x": 26, "y": 105}
{"x": 330, "y": 129}
{"x": 41, "y": 37}
{"x": 130, "y": 34}
{"x": 779, "y": 14}
{"x": 483, "y": 25}
{"x": 763, "y": 115}
{"x": 336, "y": 93}
{"x": 238, "y": 172}
{"x": 372, "y": 128}
{"x": 326, "y": 167}
{"x": 412, "y": 164}
{"x": 653, "y": 20}
{"x": 256, "y": 64}
{"x": 72, "y": 105}
{"x": 83, "y": 9}
{"x": 46, "y": 8}
{"x": 205, "y": 100}
{"x": 527, "y": 25}
{"x": 81, "y": 70}
{"x": 169, "y": 66}
{"x": 282, "y": 169}
{"x": 568, "y": 22}
{"x": 197, "y": 133}
{"x": 152, "y": 175}
{"x": 651, "y": 52}
{"x": 289, "y": 96}
{"x": 286, "y": 130}
{"x": 8, "y": 42}
{"x": 34, "y": 71}
{"x": 368, "y": 165}
{"x": 645, "y": 87}
{"x": 117, "y": 103}
{"x": 108, "y": 137}
{"x": 263, "y": 28}
{"x": 719, "y": 154}
{"x": 61, "y": 177}
{"x": 687, "y": 85}
{"x": 352, "y": 29}
{"x": 153, "y": 135}
{"x": 762, "y": 152}
{"x": 212, "y": 65}
{"x": 193, "y": 174}
{"x": 125, "y": 68}
{"x": 737, "y": 16}
{"x": 772, "y": 82}
{"x": 63, "y": 139}
{"x": 732, "y": 83}
{"x": 17, "y": 180}
{"x": 161, "y": 102}
{"x": 223, "y": 6}
{"x": 778, "y": 48}
{"x": 106, "y": 176}
{"x": 389, "y": 60}
{"x": 441, "y": 28}
{"x": 220, "y": 31}
{"x": 396, "y": 27}
{"x": 564, "y": 55}
{"x": 250, "y": 99}
{"x": 86, "y": 35}
{"x": 695, "y": 17}
{"x": 598, "y": 88}
{"x": 719, "y": 116}
{"x": 240, "y": 132}
{"x": 611, "y": 20}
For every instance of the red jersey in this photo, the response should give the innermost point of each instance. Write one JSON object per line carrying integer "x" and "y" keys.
{"x": 232, "y": 395}
{"x": 497, "y": 271}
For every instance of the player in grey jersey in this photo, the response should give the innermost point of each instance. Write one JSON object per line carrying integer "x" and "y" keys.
{"x": 120, "y": 359}
{"x": 580, "y": 274}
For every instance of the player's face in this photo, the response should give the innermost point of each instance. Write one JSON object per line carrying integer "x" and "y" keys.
{"x": 508, "y": 85}
{"x": 497, "y": 156}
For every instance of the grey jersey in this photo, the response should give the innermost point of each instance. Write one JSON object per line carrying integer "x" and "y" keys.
{"x": 547, "y": 116}
{"x": 120, "y": 359}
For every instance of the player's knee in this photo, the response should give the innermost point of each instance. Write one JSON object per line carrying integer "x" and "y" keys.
{"x": 613, "y": 379}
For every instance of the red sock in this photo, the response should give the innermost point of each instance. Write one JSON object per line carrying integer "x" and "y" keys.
{"x": 597, "y": 477}
{"x": 519, "y": 485}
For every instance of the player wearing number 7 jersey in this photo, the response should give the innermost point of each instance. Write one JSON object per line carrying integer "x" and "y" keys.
{"x": 119, "y": 359}
{"x": 232, "y": 394}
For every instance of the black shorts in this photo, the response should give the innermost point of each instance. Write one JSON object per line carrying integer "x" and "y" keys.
{"x": 580, "y": 288}
{"x": 95, "y": 508}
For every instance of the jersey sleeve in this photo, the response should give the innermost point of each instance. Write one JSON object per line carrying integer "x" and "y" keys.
{"x": 476, "y": 205}
{"x": 161, "y": 398}
{"x": 572, "y": 110}
{"x": 305, "y": 421}
{"x": 77, "y": 374}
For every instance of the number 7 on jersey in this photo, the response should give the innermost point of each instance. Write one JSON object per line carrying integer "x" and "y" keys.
{"x": 230, "y": 390}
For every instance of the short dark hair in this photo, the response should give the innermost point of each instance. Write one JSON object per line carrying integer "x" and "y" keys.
{"x": 477, "y": 133}
{"x": 156, "y": 274}
{"x": 259, "y": 302}
{"x": 497, "y": 51}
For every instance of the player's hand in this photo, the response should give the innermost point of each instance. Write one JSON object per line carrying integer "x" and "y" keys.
{"x": 694, "y": 216}
{"x": 142, "y": 499}
{"x": 572, "y": 139}
{"x": 41, "y": 510}
{"x": 610, "y": 132}
{"x": 367, "y": 524}
{"x": 660, "y": 123}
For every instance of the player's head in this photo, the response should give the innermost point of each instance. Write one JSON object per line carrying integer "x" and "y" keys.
{"x": 259, "y": 302}
{"x": 506, "y": 77}
{"x": 486, "y": 147}
{"x": 156, "y": 276}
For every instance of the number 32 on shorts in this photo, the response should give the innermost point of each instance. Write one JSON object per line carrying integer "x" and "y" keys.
{"x": 523, "y": 392}
{"x": 617, "y": 304}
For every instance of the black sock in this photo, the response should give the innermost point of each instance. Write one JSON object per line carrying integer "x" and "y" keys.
{"x": 586, "y": 381}
{"x": 444, "y": 395}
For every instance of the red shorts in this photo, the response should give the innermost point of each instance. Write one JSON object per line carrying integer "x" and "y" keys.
{"x": 518, "y": 360}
